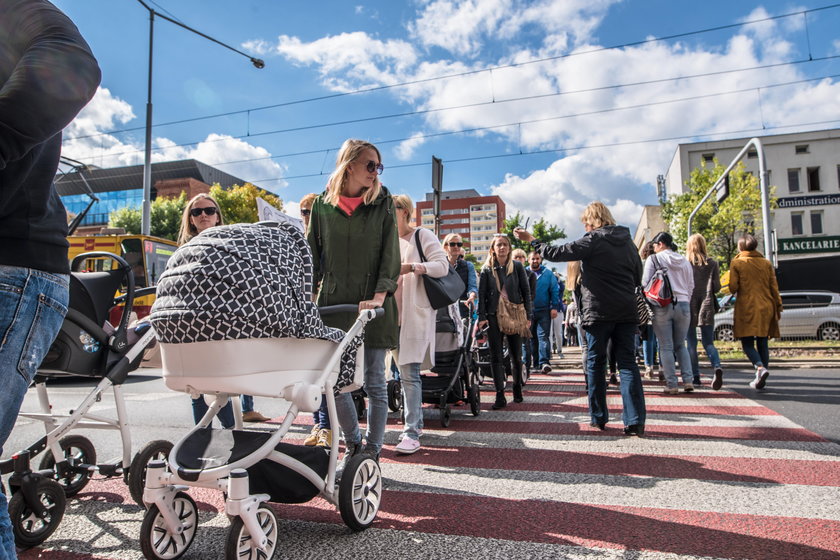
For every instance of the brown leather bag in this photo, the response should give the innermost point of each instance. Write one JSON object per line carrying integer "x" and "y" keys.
{"x": 511, "y": 316}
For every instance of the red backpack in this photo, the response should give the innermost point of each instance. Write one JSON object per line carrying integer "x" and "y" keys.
{"x": 658, "y": 289}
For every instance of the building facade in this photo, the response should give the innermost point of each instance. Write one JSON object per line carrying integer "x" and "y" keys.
{"x": 474, "y": 217}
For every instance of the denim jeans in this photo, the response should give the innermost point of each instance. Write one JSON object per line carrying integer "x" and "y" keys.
{"x": 322, "y": 415}
{"x": 707, "y": 337}
{"x": 760, "y": 357}
{"x": 670, "y": 323}
{"x": 33, "y": 304}
{"x": 225, "y": 415}
{"x": 649, "y": 348}
{"x": 540, "y": 338}
{"x": 412, "y": 390}
{"x": 377, "y": 404}
{"x": 247, "y": 403}
{"x": 632, "y": 394}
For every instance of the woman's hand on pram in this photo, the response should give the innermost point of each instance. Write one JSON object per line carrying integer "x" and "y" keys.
{"x": 377, "y": 301}
{"x": 481, "y": 325}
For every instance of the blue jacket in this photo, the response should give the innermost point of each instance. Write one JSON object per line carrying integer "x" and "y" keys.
{"x": 547, "y": 294}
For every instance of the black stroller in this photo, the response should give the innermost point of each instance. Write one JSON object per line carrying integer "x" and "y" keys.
{"x": 454, "y": 377}
{"x": 87, "y": 345}
{"x": 480, "y": 351}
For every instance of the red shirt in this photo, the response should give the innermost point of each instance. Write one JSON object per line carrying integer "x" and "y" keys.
{"x": 349, "y": 203}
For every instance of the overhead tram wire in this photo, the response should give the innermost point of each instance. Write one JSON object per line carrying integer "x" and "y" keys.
{"x": 478, "y": 129}
{"x": 488, "y": 69}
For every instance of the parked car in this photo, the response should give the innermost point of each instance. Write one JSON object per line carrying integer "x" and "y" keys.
{"x": 805, "y": 314}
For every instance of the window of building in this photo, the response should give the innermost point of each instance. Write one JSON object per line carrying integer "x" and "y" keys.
{"x": 793, "y": 180}
{"x": 816, "y": 222}
{"x": 802, "y": 149}
{"x": 796, "y": 223}
{"x": 709, "y": 158}
{"x": 752, "y": 154}
{"x": 813, "y": 179}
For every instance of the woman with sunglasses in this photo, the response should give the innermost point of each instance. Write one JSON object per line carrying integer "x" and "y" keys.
{"x": 201, "y": 213}
{"x": 356, "y": 257}
{"x": 500, "y": 270}
{"x": 453, "y": 245}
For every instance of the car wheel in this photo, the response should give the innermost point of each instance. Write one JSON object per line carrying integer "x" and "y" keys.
{"x": 829, "y": 331}
{"x": 725, "y": 333}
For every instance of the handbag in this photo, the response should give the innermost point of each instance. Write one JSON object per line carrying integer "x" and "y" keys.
{"x": 642, "y": 307}
{"x": 443, "y": 291}
{"x": 511, "y": 316}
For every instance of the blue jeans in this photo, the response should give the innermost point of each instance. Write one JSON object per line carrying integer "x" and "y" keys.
{"x": 540, "y": 338}
{"x": 649, "y": 348}
{"x": 707, "y": 336}
{"x": 632, "y": 394}
{"x": 225, "y": 415}
{"x": 33, "y": 304}
{"x": 760, "y": 357}
{"x": 377, "y": 404}
{"x": 412, "y": 390}
{"x": 670, "y": 323}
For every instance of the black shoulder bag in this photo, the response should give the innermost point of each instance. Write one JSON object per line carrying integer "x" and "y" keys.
{"x": 440, "y": 291}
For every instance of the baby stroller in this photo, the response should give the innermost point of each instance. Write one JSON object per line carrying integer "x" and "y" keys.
{"x": 481, "y": 357}
{"x": 454, "y": 379}
{"x": 83, "y": 347}
{"x": 231, "y": 320}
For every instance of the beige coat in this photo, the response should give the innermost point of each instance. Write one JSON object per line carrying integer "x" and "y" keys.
{"x": 417, "y": 318}
{"x": 758, "y": 304}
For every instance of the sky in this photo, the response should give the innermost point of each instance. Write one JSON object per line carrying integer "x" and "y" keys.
{"x": 549, "y": 104}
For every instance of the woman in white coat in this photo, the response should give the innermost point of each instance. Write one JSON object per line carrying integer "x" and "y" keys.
{"x": 417, "y": 318}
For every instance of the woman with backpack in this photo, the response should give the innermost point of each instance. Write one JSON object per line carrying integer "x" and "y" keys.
{"x": 671, "y": 319}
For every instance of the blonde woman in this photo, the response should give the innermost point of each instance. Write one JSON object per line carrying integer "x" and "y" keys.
{"x": 356, "y": 257}
{"x": 611, "y": 270}
{"x": 501, "y": 270}
{"x": 417, "y": 317}
{"x": 306, "y": 209}
{"x": 703, "y": 300}
{"x": 201, "y": 213}
{"x": 453, "y": 244}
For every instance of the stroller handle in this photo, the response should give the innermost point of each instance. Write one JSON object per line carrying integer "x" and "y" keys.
{"x": 350, "y": 308}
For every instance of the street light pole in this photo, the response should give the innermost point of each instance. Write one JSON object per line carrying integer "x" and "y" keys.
{"x": 258, "y": 63}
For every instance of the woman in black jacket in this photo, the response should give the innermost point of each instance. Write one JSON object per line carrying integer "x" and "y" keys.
{"x": 501, "y": 270}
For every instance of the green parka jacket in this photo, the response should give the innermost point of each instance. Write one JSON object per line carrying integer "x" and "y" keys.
{"x": 354, "y": 257}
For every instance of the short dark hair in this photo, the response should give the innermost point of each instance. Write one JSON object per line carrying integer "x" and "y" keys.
{"x": 747, "y": 243}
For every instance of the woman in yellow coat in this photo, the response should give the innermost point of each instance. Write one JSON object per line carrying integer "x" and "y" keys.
{"x": 758, "y": 305}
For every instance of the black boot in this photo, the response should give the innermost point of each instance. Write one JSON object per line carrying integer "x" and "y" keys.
{"x": 501, "y": 401}
{"x": 499, "y": 380}
{"x": 517, "y": 383}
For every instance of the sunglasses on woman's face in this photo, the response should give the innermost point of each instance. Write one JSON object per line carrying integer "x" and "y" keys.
{"x": 373, "y": 166}
{"x": 305, "y": 212}
{"x": 210, "y": 211}
{"x": 455, "y": 244}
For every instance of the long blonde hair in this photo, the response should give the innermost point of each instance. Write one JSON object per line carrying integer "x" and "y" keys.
{"x": 187, "y": 230}
{"x": 404, "y": 201}
{"x": 492, "y": 261}
{"x": 597, "y": 215}
{"x": 349, "y": 152}
{"x": 695, "y": 250}
{"x": 573, "y": 274}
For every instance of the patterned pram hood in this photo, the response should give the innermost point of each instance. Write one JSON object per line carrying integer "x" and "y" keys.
{"x": 243, "y": 281}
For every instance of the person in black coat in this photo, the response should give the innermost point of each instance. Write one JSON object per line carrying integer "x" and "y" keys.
{"x": 502, "y": 270}
{"x": 611, "y": 271}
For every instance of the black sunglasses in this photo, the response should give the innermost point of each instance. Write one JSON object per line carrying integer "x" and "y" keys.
{"x": 455, "y": 244}
{"x": 373, "y": 166}
{"x": 305, "y": 212}
{"x": 210, "y": 211}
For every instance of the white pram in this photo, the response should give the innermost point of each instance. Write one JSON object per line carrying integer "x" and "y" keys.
{"x": 253, "y": 466}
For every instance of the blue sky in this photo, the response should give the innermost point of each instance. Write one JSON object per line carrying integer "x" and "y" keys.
{"x": 587, "y": 130}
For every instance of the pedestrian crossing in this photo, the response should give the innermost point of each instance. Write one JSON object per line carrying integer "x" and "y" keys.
{"x": 716, "y": 475}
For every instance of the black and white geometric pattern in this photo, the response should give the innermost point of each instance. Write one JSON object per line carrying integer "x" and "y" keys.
{"x": 243, "y": 281}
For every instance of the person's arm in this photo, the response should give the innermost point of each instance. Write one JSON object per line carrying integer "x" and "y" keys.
{"x": 389, "y": 262}
{"x": 436, "y": 265}
{"x": 554, "y": 295}
{"x": 484, "y": 295}
{"x": 649, "y": 270}
{"x": 715, "y": 277}
{"x": 734, "y": 277}
{"x": 524, "y": 289}
{"x": 472, "y": 288}
{"x": 313, "y": 236}
{"x": 49, "y": 76}
{"x": 774, "y": 290}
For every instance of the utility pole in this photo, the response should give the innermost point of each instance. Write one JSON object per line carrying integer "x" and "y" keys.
{"x": 437, "y": 188}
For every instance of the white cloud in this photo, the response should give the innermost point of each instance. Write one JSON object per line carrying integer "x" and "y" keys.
{"x": 406, "y": 148}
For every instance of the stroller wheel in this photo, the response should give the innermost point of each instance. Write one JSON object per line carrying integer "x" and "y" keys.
{"x": 240, "y": 545}
{"x": 157, "y": 449}
{"x": 474, "y": 398}
{"x": 394, "y": 395}
{"x": 30, "y": 529}
{"x": 157, "y": 542}
{"x": 78, "y": 450}
{"x": 360, "y": 492}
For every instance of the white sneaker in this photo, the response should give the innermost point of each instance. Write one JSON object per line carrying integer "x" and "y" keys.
{"x": 761, "y": 375}
{"x": 546, "y": 369}
{"x": 407, "y": 446}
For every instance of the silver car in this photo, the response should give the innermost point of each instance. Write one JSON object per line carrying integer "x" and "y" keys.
{"x": 805, "y": 314}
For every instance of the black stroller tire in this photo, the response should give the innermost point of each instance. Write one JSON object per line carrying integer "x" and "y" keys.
{"x": 238, "y": 547}
{"x": 79, "y": 450}
{"x": 155, "y": 540}
{"x": 474, "y": 398}
{"x": 30, "y": 530}
{"x": 360, "y": 492}
{"x": 157, "y": 449}
{"x": 394, "y": 395}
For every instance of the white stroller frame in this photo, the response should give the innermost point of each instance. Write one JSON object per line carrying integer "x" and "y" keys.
{"x": 205, "y": 368}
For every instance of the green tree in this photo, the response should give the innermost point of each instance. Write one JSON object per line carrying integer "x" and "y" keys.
{"x": 127, "y": 218}
{"x": 722, "y": 223}
{"x": 239, "y": 203}
{"x": 166, "y": 215}
{"x": 541, "y": 229}
{"x": 470, "y": 257}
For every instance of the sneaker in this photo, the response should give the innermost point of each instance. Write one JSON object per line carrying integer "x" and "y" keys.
{"x": 546, "y": 368}
{"x": 254, "y": 416}
{"x": 761, "y": 375}
{"x": 649, "y": 373}
{"x": 369, "y": 452}
{"x": 350, "y": 450}
{"x": 671, "y": 390}
{"x": 407, "y": 446}
{"x": 312, "y": 438}
{"x": 637, "y": 430}
{"x": 598, "y": 425}
{"x": 661, "y": 377}
{"x": 717, "y": 382}
{"x": 560, "y": 356}
{"x": 325, "y": 438}
{"x": 688, "y": 388}
{"x": 696, "y": 384}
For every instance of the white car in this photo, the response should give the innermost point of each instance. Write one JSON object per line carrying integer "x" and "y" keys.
{"x": 805, "y": 314}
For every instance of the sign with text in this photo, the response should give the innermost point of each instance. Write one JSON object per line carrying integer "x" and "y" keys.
{"x": 829, "y": 244}
{"x": 797, "y": 201}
